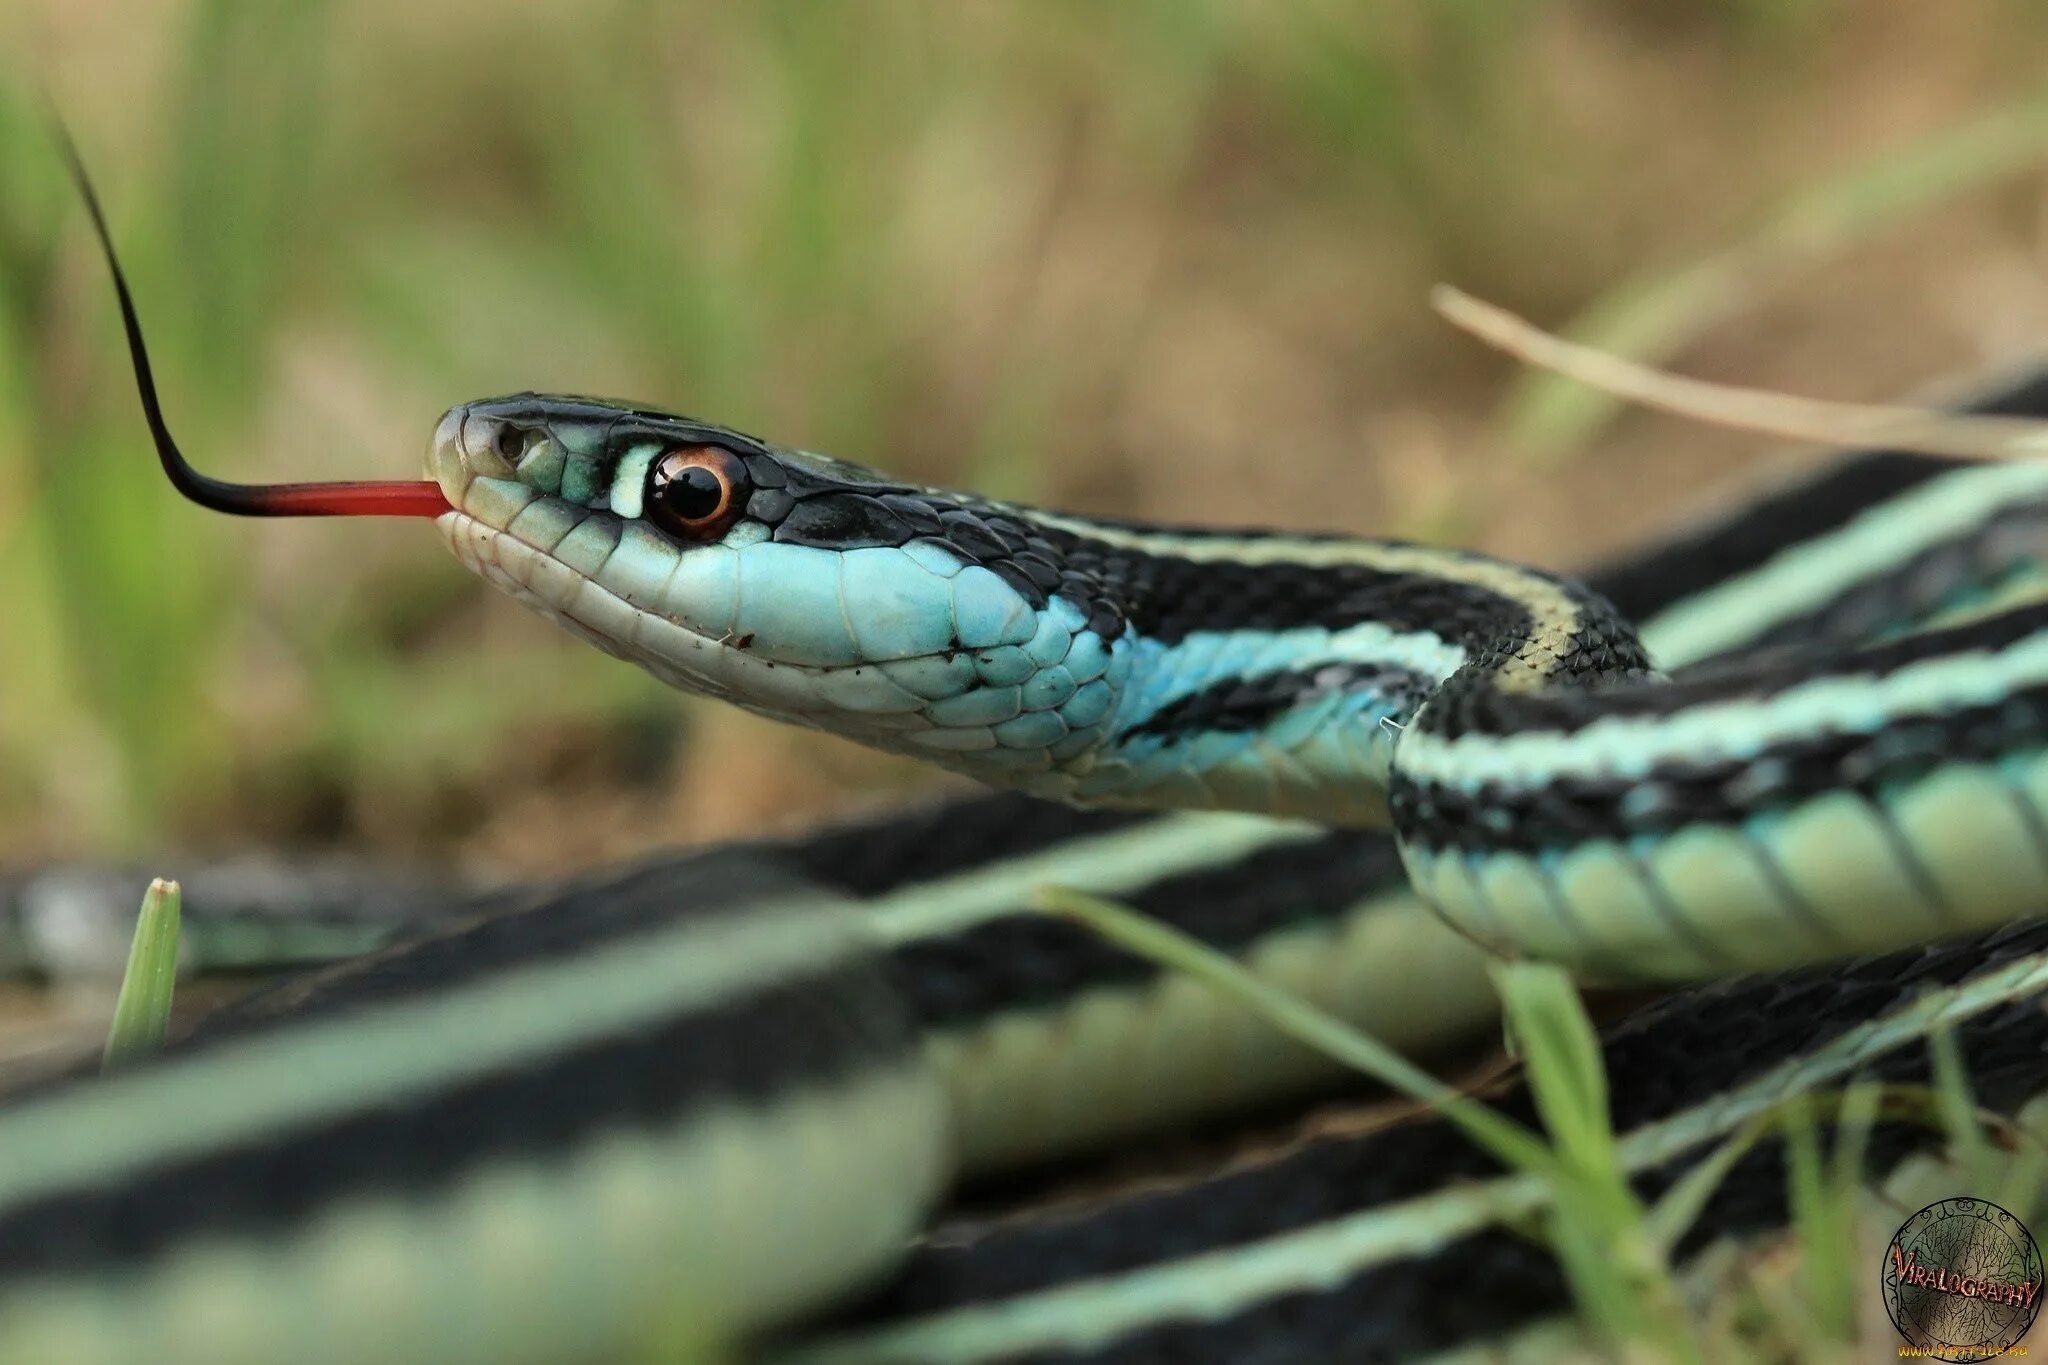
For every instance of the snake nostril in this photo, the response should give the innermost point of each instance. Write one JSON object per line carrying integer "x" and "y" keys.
{"x": 488, "y": 446}
{"x": 509, "y": 442}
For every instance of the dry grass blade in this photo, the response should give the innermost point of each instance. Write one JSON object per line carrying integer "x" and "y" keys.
{"x": 1651, "y": 316}
{"x": 1743, "y": 409}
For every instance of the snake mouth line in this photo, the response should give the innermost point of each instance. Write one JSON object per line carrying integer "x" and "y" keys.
{"x": 543, "y": 582}
{"x": 719, "y": 666}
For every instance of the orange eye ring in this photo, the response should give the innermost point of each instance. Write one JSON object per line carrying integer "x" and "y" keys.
{"x": 695, "y": 492}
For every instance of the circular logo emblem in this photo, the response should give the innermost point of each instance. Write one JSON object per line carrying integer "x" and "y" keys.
{"x": 1962, "y": 1280}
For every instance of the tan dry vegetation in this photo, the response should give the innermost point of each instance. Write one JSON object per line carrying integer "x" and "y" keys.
{"x": 1160, "y": 260}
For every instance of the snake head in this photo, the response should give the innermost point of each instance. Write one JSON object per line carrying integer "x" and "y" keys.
{"x": 792, "y": 584}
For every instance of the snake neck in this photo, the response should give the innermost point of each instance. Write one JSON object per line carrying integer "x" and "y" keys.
{"x": 1277, "y": 673}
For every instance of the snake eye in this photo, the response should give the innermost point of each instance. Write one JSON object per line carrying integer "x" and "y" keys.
{"x": 695, "y": 492}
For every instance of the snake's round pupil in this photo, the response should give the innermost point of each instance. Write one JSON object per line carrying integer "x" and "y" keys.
{"x": 693, "y": 494}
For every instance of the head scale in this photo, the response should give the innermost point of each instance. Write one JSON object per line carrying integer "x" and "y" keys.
{"x": 787, "y": 582}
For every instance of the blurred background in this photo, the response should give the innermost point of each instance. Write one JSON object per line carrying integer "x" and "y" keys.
{"x": 1163, "y": 259}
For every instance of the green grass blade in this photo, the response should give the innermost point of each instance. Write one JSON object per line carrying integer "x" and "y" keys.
{"x": 1561, "y": 1053}
{"x": 2026, "y": 1180}
{"x": 1958, "y": 1104}
{"x": 142, "y": 1014}
{"x": 1598, "y": 1228}
{"x": 1827, "y": 1228}
{"x": 1681, "y": 1206}
{"x": 1816, "y": 1218}
{"x": 1149, "y": 939}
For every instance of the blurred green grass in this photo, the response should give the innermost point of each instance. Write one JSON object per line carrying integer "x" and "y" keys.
{"x": 1165, "y": 258}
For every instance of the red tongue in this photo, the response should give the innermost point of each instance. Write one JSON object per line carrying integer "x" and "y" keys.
{"x": 397, "y": 498}
{"x": 365, "y": 499}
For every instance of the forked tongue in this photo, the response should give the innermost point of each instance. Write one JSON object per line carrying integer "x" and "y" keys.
{"x": 368, "y": 498}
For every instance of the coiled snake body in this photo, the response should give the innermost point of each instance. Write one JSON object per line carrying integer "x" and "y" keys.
{"x": 664, "y": 1110}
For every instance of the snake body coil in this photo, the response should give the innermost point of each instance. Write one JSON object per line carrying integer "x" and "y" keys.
{"x": 1550, "y": 796}
{"x": 667, "y": 1110}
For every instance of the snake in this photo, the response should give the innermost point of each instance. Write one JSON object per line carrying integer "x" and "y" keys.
{"x": 1792, "y": 762}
